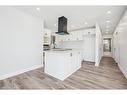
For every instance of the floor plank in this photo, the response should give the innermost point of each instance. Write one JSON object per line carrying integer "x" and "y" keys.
{"x": 106, "y": 76}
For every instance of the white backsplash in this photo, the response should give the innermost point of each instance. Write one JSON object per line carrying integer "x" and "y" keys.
{"x": 71, "y": 45}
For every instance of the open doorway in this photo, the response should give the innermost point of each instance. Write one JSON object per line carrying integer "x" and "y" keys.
{"x": 107, "y": 47}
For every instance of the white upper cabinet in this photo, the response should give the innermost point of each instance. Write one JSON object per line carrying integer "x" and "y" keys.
{"x": 75, "y": 35}
{"x": 79, "y": 35}
{"x": 89, "y": 31}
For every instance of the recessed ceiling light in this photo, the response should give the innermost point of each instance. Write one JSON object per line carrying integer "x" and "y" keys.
{"x": 86, "y": 23}
{"x": 108, "y": 21}
{"x": 54, "y": 24}
{"x": 38, "y": 9}
{"x": 108, "y": 12}
{"x": 72, "y": 26}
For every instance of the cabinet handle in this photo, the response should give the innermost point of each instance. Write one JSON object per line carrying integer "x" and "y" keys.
{"x": 70, "y": 54}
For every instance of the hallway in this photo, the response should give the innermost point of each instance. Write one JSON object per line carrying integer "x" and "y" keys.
{"x": 106, "y": 76}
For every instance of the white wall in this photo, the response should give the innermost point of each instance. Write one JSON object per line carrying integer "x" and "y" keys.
{"x": 116, "y": 46}
{"x": 98, "y": 45}
{"x": 20, "y": 42}
{"x": 120, "y": 44}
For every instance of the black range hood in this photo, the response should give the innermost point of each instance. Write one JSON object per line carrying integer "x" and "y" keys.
{"x": 62, "y": 26}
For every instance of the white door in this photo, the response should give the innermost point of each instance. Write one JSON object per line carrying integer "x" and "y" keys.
{"x": 89, "y": 48}
{"x": 107, "y": 47}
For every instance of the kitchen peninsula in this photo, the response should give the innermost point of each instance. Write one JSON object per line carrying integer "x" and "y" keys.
{"x": 61, "y": 63}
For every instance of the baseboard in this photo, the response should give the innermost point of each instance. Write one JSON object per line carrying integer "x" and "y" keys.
{"x": 122, "y": 70}
{"x": 19, "y": 72}
{"x": 97, "y": 65}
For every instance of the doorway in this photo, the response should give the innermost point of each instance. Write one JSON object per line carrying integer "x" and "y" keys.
{"x": 107, "y": 49}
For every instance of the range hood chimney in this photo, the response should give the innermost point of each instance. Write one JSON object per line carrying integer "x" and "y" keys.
{"x": 62, "y": 26}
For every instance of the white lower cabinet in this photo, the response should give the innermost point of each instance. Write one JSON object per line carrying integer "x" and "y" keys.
{"x": 62, "y": 64}
{"x": 76, "y": 60}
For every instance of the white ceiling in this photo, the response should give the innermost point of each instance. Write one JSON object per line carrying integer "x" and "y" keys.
{"x": 78, "y": 16}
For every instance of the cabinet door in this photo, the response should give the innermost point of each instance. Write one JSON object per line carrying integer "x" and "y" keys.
{"x": 68, "y": 63}
{"x": 92, "y": 31}
{"x": 92, "y": 48}
{"x": 74, "y": 61}
{"x": 86, "y": 32}
{"x": 73, "y": 36}
{"x": 69, "y": 37}
{"x": 89, "y": 31}
{"x": 78, "y": 64}
{"x": 79, "y": 35}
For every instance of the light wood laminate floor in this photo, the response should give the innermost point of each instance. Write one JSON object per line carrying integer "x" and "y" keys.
{"x": 106, "y": 76}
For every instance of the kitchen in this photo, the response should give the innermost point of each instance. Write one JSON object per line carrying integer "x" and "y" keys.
{"x": 61, "y": 61}
{"x": 53, "y": 47}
